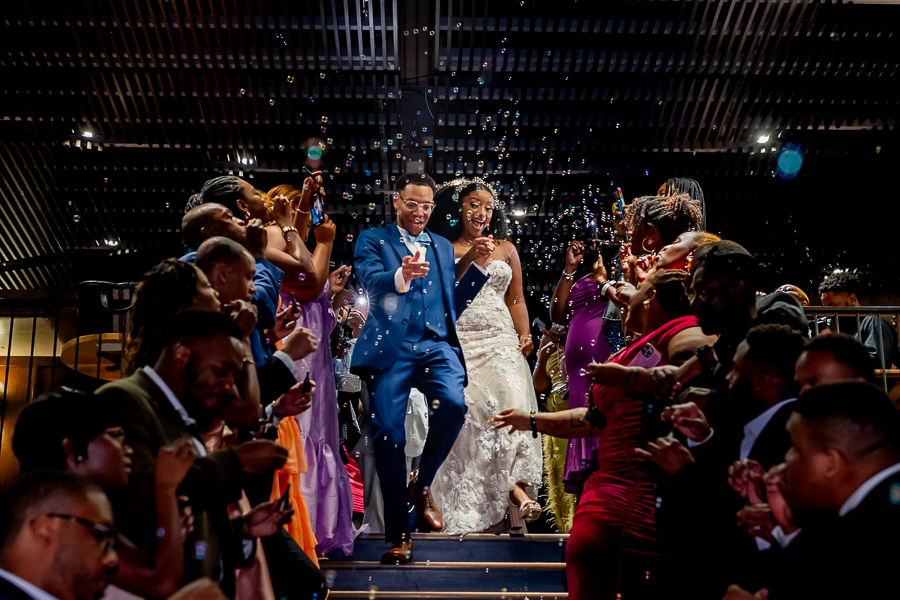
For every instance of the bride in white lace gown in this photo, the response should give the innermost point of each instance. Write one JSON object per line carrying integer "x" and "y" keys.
{"x": 489, "y": 472}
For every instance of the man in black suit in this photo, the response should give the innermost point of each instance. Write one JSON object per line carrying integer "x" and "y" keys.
{"x": 841, "y": 481}
{"x": 188, "y": 387}
{"x": 58, "y": 540}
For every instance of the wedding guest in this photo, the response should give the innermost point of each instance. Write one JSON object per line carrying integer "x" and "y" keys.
{"x": 841, "y": 480}
{"x": 874, "y": 331}
{"x": 617, "y": 510}
{"x": 580, "y": 300}
{"x": 57, "y": 538}
{"x": 190, "y": 384}
{"x": 79, "y": 433}
{"x": 832, "y": 357}
{"x": 550, "y": 379}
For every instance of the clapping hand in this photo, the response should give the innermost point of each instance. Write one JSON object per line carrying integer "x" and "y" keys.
{"x": 688, "y": 419}
{"x": 758, "y": 519}
{"x": 745, "y": 476}
{"x": 481, "y": 250}
{"x": 667, "y": 453}
{"x": 257, "y": 239}
{"x": 781, "y": 512}
{"x": 243, "y": 314}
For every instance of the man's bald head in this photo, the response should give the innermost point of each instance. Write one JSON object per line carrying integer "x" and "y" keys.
{"x": 211, "y": 220}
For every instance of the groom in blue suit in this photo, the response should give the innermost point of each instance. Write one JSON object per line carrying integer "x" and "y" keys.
{"x": 416, "y": 293}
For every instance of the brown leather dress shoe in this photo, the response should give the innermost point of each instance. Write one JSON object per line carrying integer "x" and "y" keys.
{"x": 429, "y": 515}
{"x": 400, "y": 553}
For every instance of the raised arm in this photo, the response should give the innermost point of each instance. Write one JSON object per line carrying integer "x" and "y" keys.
{"x": 539, "y": 377}
{"x": 574, "y": 256}
{"x": 570, "y": 424}
{"x": 515, "y": 302}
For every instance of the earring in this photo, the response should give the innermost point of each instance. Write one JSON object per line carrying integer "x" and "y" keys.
{"x": 247, "y": 215}
{"x": 688, "y": 261}
{"x": 644, "y": 246}
{"x": 646, "y": 304}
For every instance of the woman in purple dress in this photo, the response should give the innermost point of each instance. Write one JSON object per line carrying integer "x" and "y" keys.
{"x": 580, "y": 304}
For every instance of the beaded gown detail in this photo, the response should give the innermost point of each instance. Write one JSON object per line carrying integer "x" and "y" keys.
{"x": 472, "y": 486}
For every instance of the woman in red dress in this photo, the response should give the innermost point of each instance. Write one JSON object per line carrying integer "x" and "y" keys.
{"x": 617, "y": 510}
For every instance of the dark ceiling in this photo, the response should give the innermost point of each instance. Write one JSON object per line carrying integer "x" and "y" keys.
{"x": 558, "y": 101}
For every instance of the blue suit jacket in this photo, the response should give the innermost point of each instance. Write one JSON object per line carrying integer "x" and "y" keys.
{"x": 377, "y": 256}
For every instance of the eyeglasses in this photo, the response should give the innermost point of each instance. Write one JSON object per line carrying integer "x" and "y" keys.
{"x": 412, "y": 205}
{"x": 108, "y": 535}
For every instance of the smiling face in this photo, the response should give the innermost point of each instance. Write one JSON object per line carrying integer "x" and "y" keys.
{"x": 211, "y": 376}
{"x": 477, "y": 211}
{"x": 414, "y": 205}
{"x": 254, "y": 202}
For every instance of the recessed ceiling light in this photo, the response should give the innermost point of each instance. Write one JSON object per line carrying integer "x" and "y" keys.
{"x": 87, "y": 134}
{"x": 763, "y": 138}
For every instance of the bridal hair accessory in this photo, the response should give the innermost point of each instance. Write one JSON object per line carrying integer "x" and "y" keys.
{"x": 461, "y": 183}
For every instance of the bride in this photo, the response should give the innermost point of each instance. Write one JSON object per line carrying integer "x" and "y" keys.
{"x": 489, "y": 475}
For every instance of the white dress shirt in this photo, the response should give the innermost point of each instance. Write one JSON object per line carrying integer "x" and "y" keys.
{"x": 755, "y": 427}
{"x": 401, "y": 285}
{"x": 176, "y": 404}
{"x": 862, "y": 491}
{"x": 29, "y": 588}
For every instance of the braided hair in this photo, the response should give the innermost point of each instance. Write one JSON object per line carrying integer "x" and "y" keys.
{"x": 683, "y": 185}
{"x": 669, "y": 286}
{"x": 671, "y": 215}
{"x": 166, "y": 290}
{"x": 225, "y": 190}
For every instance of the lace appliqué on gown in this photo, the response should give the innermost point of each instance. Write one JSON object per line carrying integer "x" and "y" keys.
{"x": 472, "y": 486}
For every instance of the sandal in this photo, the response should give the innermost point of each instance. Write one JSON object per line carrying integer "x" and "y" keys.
{"x": 528, "y": 512}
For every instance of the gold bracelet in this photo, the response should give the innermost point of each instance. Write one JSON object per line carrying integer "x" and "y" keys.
{"x": 288, "y": 229}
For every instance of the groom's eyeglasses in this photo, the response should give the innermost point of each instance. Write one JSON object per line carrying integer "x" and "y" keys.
{"x": 412, "y": 205}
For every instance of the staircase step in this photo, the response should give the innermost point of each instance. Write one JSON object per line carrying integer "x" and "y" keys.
{"x": 447, "y": 576}
{"x": 475, "y": 547}
{"x": 377, "y": 595}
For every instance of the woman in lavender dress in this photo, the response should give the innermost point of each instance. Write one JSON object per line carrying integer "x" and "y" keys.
{"x": 580, "y": 303}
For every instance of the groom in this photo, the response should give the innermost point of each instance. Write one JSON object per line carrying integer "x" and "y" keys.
{"x": 409, "y": 340}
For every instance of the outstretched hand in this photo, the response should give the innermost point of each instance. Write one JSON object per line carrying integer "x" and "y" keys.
{"x": 513, "y": 418}
{"x": 413, "y": 268}
{"x": 688, "y": 419}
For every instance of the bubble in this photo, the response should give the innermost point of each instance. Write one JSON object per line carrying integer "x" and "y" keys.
{"x": 243, "y": 91}
{"x": 281, "y": 147}
{"x": 405, "y": 32}
{"x": 199, "y": 550}
{"x": 329, "y": 578}
{"x": 435, "y": 404}
{"x": 290, "y": 79}
{"x": 271, "y": 101}
{"x": 371, "y": 206}
{"x": 301, "y": 276}
{"x": 76, "y": 217}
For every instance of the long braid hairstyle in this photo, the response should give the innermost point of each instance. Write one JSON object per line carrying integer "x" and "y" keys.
{"x": 684, "y": 185}
{"x": 166, "y": 290}
{"x": 671, "y": 215}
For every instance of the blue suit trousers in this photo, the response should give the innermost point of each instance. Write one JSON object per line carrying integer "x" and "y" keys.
{"x": 433, "y": 368}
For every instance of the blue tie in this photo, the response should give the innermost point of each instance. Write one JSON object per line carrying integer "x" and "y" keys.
{"x": 423, "y": 238}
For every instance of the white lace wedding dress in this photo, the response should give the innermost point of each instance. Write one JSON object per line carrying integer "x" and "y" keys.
{"x": 472, "y": 486}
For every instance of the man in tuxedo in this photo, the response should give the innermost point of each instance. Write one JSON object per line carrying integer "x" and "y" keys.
{"x": 58, "y": 539}
{"x": 841, "y": 481}
{"x": 188, "y": 387}
{"x": 833, "y": 357}
{"x": 409, "y": 340}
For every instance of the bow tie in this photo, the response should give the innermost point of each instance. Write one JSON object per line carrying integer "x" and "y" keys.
{"x": 423, "y": 238}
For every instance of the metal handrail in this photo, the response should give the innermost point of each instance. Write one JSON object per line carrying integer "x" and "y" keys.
{"x": 815, "y": 313}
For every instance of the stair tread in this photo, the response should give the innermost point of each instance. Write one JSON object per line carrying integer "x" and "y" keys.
{"x": 480, "y": 537}
{"x": 335, "y": 595}
{"x": 449, "y": 565}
